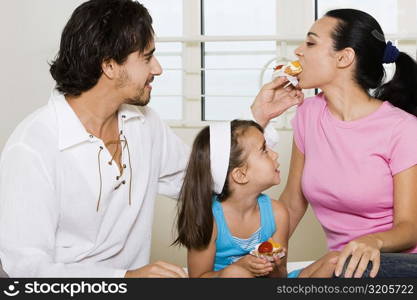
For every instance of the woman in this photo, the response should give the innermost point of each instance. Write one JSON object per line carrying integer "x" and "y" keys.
{"x": 354, "y": 153}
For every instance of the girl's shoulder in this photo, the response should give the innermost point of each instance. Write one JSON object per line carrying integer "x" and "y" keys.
{"x": 279, "y": 209}
{"x": 278, "y": 206}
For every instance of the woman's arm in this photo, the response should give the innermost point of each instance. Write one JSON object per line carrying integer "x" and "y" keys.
{"x": 292, "y": 196}
{"x": 402, "y": 236}
{"x": 281, "y": 236}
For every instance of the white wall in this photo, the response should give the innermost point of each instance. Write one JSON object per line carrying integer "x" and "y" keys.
{"x": 30, "y": 33}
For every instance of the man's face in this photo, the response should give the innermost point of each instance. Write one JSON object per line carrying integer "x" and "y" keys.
{"x": 136, "y": 75}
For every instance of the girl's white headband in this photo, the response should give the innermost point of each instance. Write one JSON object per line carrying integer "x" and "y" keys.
{"x": 220, "y": 140}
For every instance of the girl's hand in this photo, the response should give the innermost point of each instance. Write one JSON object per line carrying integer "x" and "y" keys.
{"x": 273, "y": 100}
{"x": 280, "y": 266}
{"x": 363, "y": 250}
{"x": 257, "y": 266}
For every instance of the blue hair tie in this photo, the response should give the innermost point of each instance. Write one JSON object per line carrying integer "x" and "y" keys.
{"x": 391, "y": 53}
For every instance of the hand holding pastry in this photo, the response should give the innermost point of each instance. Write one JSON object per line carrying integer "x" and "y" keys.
{"x": 256, "y": 265}
{"x": 274, "y": 99}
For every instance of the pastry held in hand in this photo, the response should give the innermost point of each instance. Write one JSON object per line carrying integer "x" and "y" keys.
{"x": 268, "y": 250}
{"x": 290, "y": 70}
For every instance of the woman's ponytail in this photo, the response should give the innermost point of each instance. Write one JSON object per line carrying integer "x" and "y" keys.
{"x": 361, "y": 32}
{"x": 401, "y": 90}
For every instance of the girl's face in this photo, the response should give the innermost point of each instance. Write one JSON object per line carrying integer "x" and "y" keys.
{"x": 262, "y": 165}
{"x": 317, "y": 56}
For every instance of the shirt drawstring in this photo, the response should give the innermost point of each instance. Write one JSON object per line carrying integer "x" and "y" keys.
{"x": 99, "y": 172}
{"x": 126, "y": 145}
{"x": 130, "y": 170}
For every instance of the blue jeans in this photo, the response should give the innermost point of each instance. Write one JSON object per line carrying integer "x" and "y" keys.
{"x": 393, "y": 265}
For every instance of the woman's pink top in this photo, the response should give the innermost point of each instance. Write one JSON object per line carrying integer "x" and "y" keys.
{"x": 349, "y": 167}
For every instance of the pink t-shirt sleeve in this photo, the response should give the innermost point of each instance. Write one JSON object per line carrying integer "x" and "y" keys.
{"x": 298, "y": 125}
{"x": 403, "y": 145}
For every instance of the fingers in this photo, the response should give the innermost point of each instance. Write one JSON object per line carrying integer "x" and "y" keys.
{"x": 376, "y": 262}
{"x": 333, "y": 260}
{"x": 263, "y": 274}
{"x": 281, "y": 94}
{"x": 159, "y": 269}
{"x": 359, "y": 263}
{"x": 260, "y": 267}
{"x": 341, "y": 261}
{"x": 363, "y": 264}
{"x": 175, "y": 271}
{"x": 278, "y": 260}
{"x": 361, "y": 250}
{"x": 300, "y": 97}
{"x": 163, "y": 273}
{"x": 354, "y": 260}
{"x": 289, "y": 91}
{"x": 273, "y": 100}
{"x": 292, "y": 93}
{"x": 277, "y": 82}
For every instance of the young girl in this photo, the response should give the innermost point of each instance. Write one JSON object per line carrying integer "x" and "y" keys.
{"x": 222, "y": 211}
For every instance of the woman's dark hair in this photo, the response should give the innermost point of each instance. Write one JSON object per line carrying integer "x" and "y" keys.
{"x": 361, "y": 32}
{"x": 195, "y": 216}
{"x": 99, "y": 30}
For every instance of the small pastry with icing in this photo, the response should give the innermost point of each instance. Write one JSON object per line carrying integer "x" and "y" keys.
{"x": 290, "y": 70}
{"x": 269, "y": 250}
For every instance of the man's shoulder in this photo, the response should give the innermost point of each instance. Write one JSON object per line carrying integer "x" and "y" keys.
{"x": 147, "y": 116}
{"x": 144, "y": 112}
{"x": 150, "y": 113}
{"x": 36, "y": 130}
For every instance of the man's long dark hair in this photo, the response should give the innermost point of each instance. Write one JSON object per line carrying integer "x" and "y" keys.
{"x": 195, "y": 216}
{"x": 99, "y": 30}
{"x": 361, "y": 32}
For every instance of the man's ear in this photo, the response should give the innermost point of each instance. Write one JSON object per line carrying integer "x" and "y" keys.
{"x": 109, "y": 68}
{"x": 345, "y": 57}
{"x": 239, "y": 175}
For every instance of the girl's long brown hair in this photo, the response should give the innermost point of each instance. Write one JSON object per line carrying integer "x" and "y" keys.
{"x": 195, "y": 216}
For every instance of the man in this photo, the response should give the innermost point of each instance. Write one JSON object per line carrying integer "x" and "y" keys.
{"x": 79, "y": 176}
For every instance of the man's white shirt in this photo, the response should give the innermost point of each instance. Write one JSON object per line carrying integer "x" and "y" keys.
{"x": 50, "y": 183}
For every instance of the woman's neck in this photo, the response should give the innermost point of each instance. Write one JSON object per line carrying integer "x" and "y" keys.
{"x": 349, "y": 102}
